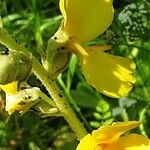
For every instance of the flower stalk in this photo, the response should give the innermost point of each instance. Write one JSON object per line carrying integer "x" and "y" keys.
{"x": 59, "y": 99}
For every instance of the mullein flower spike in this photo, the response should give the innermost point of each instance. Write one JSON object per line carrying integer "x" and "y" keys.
{"x": 110, "y": 138}
{"x": 84, "y": 21}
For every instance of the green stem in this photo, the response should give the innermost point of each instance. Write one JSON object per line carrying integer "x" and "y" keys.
{"x": 59, "y": 99}
{"x": 77, "y": 109}
{"x": 124, "y": 115}
{"x": 1, "y": 24}
{"x": 141, "y": 118}
{"x": 36, "y": 20}
{"x": 47, "y": 99}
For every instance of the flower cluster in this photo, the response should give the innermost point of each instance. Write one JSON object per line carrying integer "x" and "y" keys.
{"x": 134, "y": 19}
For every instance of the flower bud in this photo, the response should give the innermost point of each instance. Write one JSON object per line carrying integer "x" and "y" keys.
{"x": 57, "y": 54}
{"x": 14, "y": 66}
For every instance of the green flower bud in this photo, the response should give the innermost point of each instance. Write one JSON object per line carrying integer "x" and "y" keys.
{"x": 14, "y": 66}
{"x": 57, "y": 54}
{"x": 24, "y": 65}
{"x": 7, "y": 68}
{"x": 60, "y": 60}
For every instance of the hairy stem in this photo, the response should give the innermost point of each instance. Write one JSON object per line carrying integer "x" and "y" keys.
{"x": 59, "y": 99}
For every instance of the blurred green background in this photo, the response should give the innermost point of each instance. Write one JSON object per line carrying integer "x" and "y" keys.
{"x": 32, "y": 23}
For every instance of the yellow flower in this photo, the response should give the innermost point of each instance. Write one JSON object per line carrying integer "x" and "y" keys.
{"x": 11, "y": 91}
{"x": 83, "y": 21}
{"x": 111, "y": 138}
{"x": 12, "y": 101}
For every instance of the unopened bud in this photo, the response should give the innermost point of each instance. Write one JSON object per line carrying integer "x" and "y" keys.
{"x": 14, "y": 66}
{"x": 57, "y": 53}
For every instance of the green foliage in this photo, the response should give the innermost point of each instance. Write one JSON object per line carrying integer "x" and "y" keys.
{"x": 33, "y": 22}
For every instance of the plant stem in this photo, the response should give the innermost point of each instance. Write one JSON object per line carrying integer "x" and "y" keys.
{"x": 47, "y": 99}
{"x": 59, "y": 99}
{"x": 124, "y": 115}
{"x": 77, "y": 109}
{"x": 141, "y": 118}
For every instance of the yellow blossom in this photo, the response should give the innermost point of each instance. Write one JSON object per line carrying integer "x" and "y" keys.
{"x": 10, "y": 89}
{"x": 11, "y": 93}
{"x": 83, "y": 21}
{"x": 13, "y": 102}
{"x": 113, "y": 138}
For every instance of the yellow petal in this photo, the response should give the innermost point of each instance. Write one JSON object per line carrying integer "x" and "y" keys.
{"x": 10, "y": 88}
{"x": 129, "y": 142}
{"x": 87, "y": 143}
{"x": 12, "y": 104}
{"x": 109, "y": 138}
{"x": 108, "y": 134}
{"x": 84, "y": 20}
{"x": 134, "y": 142}
{"x": 110, "y": 75}
{"x": 100, "y": 48}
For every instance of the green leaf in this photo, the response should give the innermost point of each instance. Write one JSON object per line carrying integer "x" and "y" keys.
{"x": 71, "y": 70}
{"x": 86, "y": 97}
